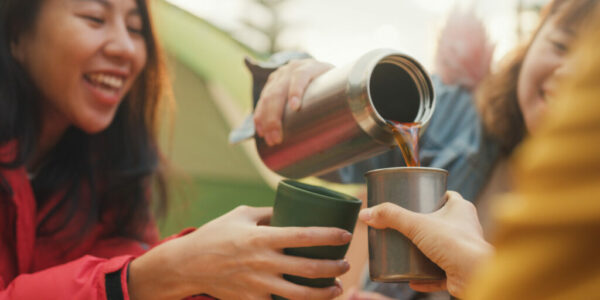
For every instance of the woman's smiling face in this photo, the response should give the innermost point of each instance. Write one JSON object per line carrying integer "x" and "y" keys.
{"x": 83, "y": 56}
{"x": 544, "y": 64}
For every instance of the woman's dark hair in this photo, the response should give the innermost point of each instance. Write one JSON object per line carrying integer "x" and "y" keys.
{"x": 108, "y": 175}
{"x": 497, "y": 99}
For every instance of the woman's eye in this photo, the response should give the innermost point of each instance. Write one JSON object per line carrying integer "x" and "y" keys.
{"x": 559, "y": 46}
{"x": 94, "y": 19}
{"x": 135, "y": 24}
{"x": 135, "y": 30}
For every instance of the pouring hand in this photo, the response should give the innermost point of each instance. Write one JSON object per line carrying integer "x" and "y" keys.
{"x": 286, "y": 84}
{"x": 451, "y": 237}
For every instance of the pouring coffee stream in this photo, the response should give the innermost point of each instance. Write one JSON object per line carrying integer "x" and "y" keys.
{"x": 407, "y": 138}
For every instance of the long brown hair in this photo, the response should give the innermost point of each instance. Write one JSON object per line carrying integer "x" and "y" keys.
{"x": 105, "y": 177}
{"x": 497, "y": 100}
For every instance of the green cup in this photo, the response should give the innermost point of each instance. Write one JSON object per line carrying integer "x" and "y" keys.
{"x": 302, "y": 205}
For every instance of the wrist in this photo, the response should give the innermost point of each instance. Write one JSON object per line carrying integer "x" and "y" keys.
{"x": 486, "y": 250}
{"x": 155, "y": 275}
{"x": 480, "y": 252}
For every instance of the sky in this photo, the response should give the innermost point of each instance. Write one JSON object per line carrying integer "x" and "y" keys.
{"x": 339, "y": 31}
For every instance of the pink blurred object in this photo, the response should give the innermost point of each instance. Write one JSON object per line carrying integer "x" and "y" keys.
{"x": 464, "y": 53}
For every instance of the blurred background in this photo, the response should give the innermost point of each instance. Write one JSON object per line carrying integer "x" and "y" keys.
{"x": 207, "y": 40}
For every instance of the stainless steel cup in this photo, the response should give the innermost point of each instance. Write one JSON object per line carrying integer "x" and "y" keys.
{"x": 343, "y": 115}
{"x": 392, "y": 256}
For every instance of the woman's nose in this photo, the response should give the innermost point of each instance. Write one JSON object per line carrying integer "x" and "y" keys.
{"x": 120, "y": 44}
{"x": 558, "y": 75}
{"x": 565, "y": 70}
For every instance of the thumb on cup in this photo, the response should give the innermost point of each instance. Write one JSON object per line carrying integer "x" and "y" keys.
{"x": 389, "y": 215}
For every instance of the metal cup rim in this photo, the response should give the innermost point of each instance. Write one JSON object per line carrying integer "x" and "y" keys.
{"x": 406, "y": 170}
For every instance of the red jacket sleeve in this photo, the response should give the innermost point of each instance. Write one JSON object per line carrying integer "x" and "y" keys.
{"x": 83, "y": 278}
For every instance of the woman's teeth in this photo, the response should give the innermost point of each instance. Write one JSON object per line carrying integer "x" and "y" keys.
{"x": 106, "y": 81}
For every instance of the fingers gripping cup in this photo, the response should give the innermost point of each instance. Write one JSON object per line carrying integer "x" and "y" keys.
{"x": 392, "y": 256}
{"x": 304, "y": 205}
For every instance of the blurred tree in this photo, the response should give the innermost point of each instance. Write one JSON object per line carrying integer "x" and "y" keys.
{"x": 270, "y": 29}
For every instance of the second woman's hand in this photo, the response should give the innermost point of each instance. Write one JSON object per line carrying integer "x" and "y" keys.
{"x": 451, "y": 237}
{"x": 233, "y": 257}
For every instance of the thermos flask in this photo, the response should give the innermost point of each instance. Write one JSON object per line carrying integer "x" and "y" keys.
{"x": 343, "y": 115}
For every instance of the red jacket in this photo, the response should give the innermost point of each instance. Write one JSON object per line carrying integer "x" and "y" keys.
{"x": 33, "y": 267}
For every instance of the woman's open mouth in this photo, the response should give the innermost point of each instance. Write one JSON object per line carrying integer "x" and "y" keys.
{"x": 106, "y": 87}
{"x": 110, "y": 83}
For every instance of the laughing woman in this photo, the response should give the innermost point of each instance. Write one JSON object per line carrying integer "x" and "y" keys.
{"x": 80, "y": 90}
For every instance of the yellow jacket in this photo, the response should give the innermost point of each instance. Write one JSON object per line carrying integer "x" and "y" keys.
{"x": 548, "y": 244}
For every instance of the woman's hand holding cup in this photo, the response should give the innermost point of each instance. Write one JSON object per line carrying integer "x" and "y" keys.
{"x": 451, "y": 237}
{"x": 234, "y": 257}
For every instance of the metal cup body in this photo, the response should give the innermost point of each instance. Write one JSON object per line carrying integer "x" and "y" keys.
{"x": 344, "y": 111}
{"x": 392, "y": 256}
